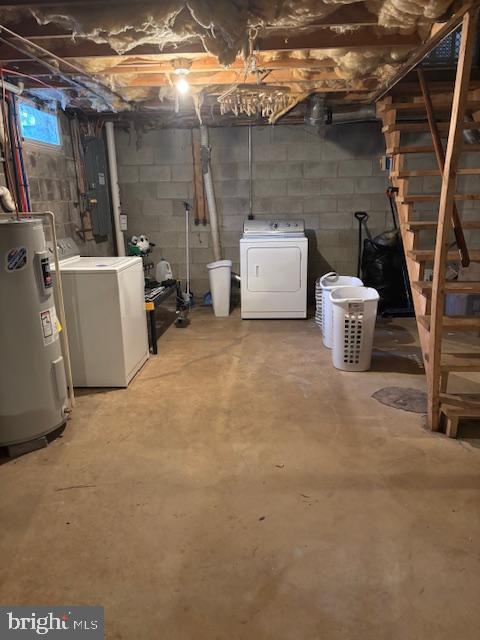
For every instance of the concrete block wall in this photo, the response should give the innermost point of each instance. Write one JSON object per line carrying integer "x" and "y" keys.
{"x": 297, "y": 173}
{"x": 53, "y": 187}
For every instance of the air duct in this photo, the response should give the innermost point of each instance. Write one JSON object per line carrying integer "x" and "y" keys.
{"x": 365, "y": 113}
{"x": 471, "y": 136}
{"x": 315, "y": 111}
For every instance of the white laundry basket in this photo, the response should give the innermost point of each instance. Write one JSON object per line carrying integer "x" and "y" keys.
{"x": 220, "y": 276}
{"x": 354, "y": 316}
{"x": 328, "y": 282}
{"x": 318, "y": 302}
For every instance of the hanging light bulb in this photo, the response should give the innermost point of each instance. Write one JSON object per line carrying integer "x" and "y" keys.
{"x": 181, "y": 69}
{"x": 182, "y": 85}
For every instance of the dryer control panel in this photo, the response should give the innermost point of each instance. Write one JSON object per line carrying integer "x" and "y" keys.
{"x": 273, "y": 227}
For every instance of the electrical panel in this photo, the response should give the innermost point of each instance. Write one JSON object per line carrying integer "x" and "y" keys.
{"x": 98, "y": 197}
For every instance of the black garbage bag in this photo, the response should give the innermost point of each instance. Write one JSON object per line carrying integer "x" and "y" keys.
{"x": 383, "y": 269}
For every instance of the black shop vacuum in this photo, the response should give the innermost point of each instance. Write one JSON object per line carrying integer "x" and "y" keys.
{"x": 382, "y": 265}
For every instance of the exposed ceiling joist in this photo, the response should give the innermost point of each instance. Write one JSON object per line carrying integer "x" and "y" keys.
{"x": 316, "y": 38}
{"x": 330, "y": 47}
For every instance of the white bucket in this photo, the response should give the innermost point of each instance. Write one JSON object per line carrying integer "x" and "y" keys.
{"x": 354, "y": 316}
{"x": 328, "y": 282}
{"x": 220, "y": 276}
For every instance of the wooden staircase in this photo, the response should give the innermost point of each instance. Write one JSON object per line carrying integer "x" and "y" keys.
{"x": 463, "y": 109}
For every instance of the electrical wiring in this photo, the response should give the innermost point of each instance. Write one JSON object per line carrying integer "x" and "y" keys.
{"x": 7, "y": 149}
{"x": 19, "y": 145}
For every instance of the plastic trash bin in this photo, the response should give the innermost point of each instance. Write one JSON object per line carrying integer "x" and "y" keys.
{"x": 354, "y": 316}
{"x": 220, "y": 276}
{"x": 328, "y": 282}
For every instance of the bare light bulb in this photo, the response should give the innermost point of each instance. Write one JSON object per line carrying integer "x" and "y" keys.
{"x": 182, "y": 85}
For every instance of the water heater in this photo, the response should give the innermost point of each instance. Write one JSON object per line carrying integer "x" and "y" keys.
{"x": 33, "y": 390}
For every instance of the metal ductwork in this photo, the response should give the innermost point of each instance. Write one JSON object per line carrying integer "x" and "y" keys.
{"x": 364, "y": 113}
{"x": 315, "y": 111}
{"x": 471, "y": 136}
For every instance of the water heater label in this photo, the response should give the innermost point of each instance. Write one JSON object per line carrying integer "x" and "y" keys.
{"x": 16, "y": 259}
{"x": 49, "y": 322}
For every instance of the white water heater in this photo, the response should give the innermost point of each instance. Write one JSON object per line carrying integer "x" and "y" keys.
{"x": 33, "y": 390}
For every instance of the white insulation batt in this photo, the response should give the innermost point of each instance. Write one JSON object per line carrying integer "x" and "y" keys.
{"x": 222, "y": 25}
{"x": 225, "y": 26}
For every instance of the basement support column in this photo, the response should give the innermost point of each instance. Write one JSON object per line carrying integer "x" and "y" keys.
{"x": 210, "y": 192}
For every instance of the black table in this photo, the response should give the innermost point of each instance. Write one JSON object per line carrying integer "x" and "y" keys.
{"x": 151, "y": 304}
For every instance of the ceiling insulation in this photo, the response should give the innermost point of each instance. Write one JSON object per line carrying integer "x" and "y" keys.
{"x": 223, "y": 27}
{"x": 237, "y": 33}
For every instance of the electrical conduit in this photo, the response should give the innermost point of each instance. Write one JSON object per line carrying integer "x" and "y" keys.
{"x": 209, "y": 192}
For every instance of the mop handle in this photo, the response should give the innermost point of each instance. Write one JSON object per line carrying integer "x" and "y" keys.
{"x": 187, "y": 248}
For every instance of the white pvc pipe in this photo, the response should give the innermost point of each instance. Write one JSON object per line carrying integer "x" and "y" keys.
{"x": 114, "y": 188}
{"x": 210, "y": 194}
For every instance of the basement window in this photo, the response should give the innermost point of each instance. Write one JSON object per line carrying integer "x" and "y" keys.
{"x": 37, "y": 125}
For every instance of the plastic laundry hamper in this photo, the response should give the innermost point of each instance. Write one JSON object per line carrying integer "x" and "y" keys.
{"x": 318, "y": 303}
{"x": 354, "y": 316}
{"x": 328, "y": 282}
{"x": 220, "y": 276}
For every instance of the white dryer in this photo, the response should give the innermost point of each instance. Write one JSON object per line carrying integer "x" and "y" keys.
{"x": 273, "y": 269}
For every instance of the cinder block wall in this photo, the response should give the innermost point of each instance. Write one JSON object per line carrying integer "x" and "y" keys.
{"x": 298, "y": 173}
{"x": 53, "y": 187}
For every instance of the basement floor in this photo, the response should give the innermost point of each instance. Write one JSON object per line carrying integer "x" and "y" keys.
{"x": 243, "y": 489}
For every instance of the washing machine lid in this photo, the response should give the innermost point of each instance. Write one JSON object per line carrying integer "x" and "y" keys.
{"x": 78, "y": 264}
{"x": 274, "y": 228}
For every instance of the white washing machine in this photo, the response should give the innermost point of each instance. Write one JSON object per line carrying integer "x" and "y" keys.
{"x": 105, "y": 313}
{"x": 273, "y": 269}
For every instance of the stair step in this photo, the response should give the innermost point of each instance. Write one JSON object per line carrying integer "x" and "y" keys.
{"x": 413, "y": 127}
{"x": 454, "y": 408}
{"x": 418, "y": 225}
{"x": 433, "y": 197}
{"x": 461, "y": 401}
{"x": 456, "y": 286}
{"x": 428, "y": 255}
{"x": 407, "y": 149}
{"x": 433, "y": 172}
{"x": 460, "y": 362}
{"x": 454, "y": 323}
{"x": 472, "y": 105}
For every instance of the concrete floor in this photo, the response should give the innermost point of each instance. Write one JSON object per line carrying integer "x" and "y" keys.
{"x": 241, "y": 488}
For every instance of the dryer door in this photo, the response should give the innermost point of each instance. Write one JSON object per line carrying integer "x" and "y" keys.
{"x": 274, "y": 269}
